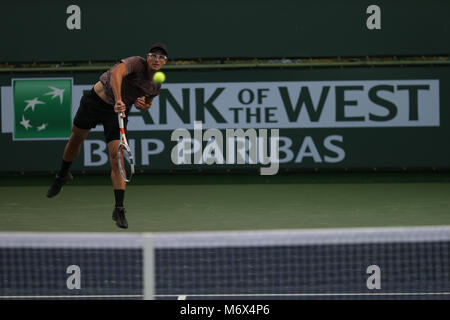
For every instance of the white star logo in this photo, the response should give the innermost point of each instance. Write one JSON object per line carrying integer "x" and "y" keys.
{"x": 32, "y": 103}
{"x": 25, "y": 123}
{"x": 42, "y": 127}
{"x": 56, "y": 93}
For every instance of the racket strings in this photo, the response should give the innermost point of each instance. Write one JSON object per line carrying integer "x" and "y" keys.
{"x": 125, "y": 162}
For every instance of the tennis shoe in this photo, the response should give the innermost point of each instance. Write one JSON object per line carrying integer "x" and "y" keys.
{"x": 119, "y": 217}
{"x": 57, "y": 184}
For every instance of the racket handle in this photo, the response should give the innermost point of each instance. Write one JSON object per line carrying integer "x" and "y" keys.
{"x": 119, "y": 116}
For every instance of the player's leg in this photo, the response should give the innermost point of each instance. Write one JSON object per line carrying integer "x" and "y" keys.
{"x": 112, "y": 137}
{"x": 85, "y": 119}
{"x": 71, "y": 150}
{"x": 73, "y": 147}
{"x": 119, "y": 185}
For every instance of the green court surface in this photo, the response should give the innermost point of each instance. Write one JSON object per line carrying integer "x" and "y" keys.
{"x": 199, "y": 202}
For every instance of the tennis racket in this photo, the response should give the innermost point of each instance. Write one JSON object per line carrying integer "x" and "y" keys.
{"x": 125, "y": 157}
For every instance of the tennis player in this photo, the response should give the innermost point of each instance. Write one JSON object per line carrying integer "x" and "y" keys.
{"x": 126, "y": 83}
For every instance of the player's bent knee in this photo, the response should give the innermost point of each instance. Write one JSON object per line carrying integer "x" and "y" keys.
{"x": 113, "y": 156}
{"x": 113, "y": 159}
{"x": 78, "y": 135}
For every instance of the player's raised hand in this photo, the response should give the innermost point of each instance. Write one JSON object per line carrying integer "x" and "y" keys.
{"x": 143, "y": 103}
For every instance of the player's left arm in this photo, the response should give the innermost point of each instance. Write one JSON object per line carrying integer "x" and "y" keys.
{"x": 143, "y": 103}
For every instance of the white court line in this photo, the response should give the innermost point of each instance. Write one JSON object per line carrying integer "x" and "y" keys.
{"x": 184, "y": 296}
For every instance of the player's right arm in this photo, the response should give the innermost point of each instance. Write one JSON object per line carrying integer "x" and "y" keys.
{"x": 117, "y": 74}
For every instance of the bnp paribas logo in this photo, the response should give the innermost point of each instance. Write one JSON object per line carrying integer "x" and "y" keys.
{"x": 42, "y": 108}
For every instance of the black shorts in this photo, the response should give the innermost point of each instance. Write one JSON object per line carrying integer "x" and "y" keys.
{"x": 92, "y": 111}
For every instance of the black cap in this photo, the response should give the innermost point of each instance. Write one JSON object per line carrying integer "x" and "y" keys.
{"x": 159, "y": 45}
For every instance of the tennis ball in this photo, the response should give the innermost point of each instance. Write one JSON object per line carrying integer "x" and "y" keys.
{"x": 159, "y": 77}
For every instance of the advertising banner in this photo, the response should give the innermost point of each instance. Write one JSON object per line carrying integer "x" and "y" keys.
{"x": 382, "y": 118}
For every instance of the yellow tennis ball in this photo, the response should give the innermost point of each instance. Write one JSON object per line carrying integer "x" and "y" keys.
{"x": 159, "y": 77}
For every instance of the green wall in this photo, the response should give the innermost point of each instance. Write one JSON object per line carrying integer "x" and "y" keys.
{"x": 109, "y": 30}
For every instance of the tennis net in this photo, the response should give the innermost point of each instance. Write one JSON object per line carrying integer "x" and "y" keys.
{"x": 375, "y": 263}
